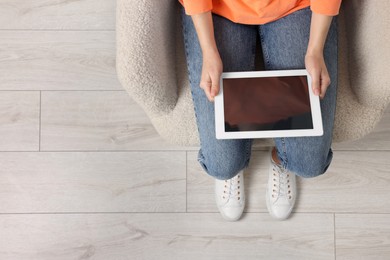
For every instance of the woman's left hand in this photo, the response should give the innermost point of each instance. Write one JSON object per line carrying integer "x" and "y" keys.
{"x": 315, "y": 65}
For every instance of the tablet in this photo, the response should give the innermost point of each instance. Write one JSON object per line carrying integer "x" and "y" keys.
{"x": 265, "y": 104}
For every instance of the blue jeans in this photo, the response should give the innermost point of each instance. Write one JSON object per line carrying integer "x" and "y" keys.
{"x": 284, "y": 44}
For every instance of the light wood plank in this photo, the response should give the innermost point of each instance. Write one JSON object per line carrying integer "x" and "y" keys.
{"x": 58, "y": 15}
{"x": 378, "y": 139}
{"x": 165, "y": 236}
{"x": 102, "y": 120}
{"x": 356, "y": 182}
{"x": 34, "y": 182}
{"x": 19, "y": 120}
{"x": 362, "y": 236}
{"x": 58, "y": 60}
{"x": 353, "y": 183}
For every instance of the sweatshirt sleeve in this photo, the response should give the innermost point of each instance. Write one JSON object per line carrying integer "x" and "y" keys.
{"x": 326, "y": 7}
{"x": 197, "y": 6}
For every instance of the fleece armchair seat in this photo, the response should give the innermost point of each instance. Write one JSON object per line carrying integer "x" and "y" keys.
{"x": 151, "y": 67}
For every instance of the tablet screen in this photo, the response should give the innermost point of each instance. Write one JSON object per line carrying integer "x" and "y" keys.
{"x": 267, "y": 103}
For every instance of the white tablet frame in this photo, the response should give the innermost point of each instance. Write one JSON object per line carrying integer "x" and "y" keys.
{"x": 314, "y": 104}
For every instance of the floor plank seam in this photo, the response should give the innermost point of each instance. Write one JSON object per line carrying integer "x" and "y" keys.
{"x": 186, "y": 182}
{"x": 334, "y": 235}
{"x": 40, "y": 120}
{"x": 143, "y": 212}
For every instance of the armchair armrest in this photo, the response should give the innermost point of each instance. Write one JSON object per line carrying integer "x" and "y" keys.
{"x": 368, "y": 30}
{"x": 145, "y": 55}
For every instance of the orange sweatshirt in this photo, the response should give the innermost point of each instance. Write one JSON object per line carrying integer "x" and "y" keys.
{"x": 259, "y": 11}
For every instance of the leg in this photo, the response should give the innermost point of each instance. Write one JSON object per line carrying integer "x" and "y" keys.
{"x": 284, "y": 44}
{"x": 222, "y": 159}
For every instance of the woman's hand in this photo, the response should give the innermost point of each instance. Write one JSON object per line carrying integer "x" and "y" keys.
{"x": 314, "y": 59}
{"x": 211, "y": 73}
{"x": 315, "y": 65}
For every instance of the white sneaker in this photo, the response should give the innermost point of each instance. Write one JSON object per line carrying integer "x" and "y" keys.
{"x": 281, "y": 191}
{"x": 230, "y": 196}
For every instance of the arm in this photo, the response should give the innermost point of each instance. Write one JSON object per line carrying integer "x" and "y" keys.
{"x": 212, "y": 64}
{"x": 314, "y": 59}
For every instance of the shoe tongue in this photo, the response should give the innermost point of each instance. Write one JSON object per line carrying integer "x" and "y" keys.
{"x": 232, "y": 189}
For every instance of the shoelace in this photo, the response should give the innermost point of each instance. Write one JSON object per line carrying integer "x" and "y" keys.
{"x": 281, "y": 182}
{"x": 232, "y": 188}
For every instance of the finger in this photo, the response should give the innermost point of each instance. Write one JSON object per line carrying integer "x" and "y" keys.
{"x": 325, "y": 82}
{"x": 315, "y": 83}
{"x": 205, "y": 82}
{"x": 206, "y": 86}
{"x": 214, "y": 85}
{"x": 208, "y": 94}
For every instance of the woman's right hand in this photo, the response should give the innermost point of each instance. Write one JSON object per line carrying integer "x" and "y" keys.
{"x": 211, "y": 73}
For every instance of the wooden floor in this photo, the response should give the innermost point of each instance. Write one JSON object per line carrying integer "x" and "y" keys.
{"x": 83, "y": 174}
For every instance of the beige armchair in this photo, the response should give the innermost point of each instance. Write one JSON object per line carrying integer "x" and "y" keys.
{"x": 152, "y": 69}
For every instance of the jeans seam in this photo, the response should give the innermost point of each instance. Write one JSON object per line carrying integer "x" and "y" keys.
{"x": 248, "y": 144}
{"x": 284, "y": 160}
{"x": 264, "y": 48}
{"x": 254, "y": 53}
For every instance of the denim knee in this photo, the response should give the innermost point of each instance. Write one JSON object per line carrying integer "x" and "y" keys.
{"x": 222, "y": 168}
{"x": 314, "y": 167}
{"x": 308, "y": 172}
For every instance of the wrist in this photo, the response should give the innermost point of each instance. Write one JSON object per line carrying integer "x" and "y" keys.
{"x": 314, "y": 51}
{"x": 210, "y": 50}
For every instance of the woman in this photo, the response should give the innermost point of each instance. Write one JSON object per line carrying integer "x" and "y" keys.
{"x": 220, "y": 35}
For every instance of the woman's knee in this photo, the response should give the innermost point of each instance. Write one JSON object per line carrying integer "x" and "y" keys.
{"x": 224, "y": 164}
{"x": 221, "y": 172}
{"x": 309, "y": 165}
